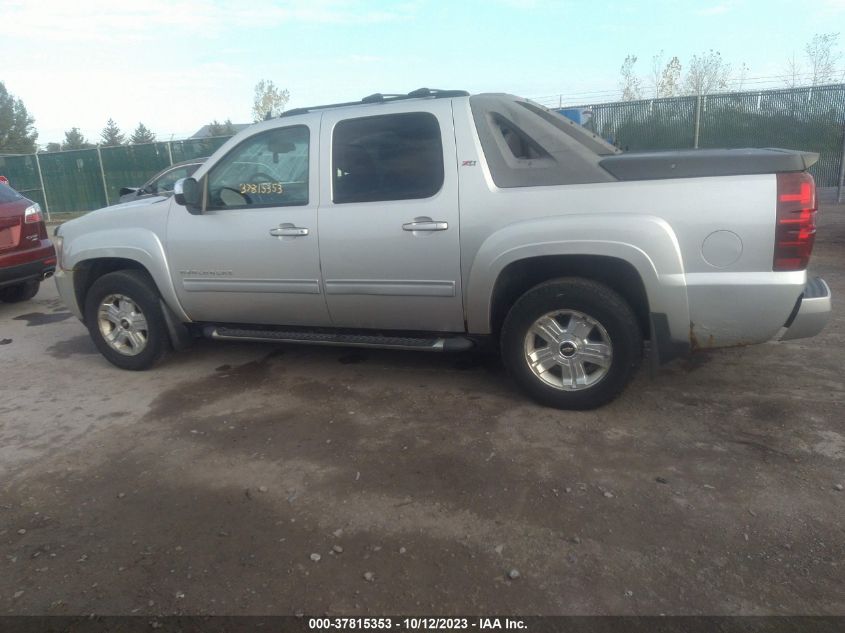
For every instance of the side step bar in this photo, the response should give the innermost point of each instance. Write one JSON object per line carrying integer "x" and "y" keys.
{"x": 425, "y": 344}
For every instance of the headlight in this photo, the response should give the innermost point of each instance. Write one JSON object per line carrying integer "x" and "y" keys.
{"x": 58, "y": 242}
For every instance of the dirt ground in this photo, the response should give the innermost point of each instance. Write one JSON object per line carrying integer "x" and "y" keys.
{"x": 210, "y": 484}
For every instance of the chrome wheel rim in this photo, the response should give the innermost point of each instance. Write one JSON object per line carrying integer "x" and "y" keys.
{"x": 568, "y": 350}
{"x": 122, "y": 325}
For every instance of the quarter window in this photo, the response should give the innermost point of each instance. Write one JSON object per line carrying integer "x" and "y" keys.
{"x": 388, "y": 157}
{"x": 269, "y": 169}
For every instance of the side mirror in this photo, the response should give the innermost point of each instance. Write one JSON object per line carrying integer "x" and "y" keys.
{"x": 187, "y": 193}
{"x": 126, "y": 190}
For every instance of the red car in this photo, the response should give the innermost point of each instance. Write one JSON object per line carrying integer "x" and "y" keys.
{"x": 27, "y": 256}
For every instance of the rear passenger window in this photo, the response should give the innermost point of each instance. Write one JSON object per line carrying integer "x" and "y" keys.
{"x": 388, "y": 157}
{"x": 519, "y": 143}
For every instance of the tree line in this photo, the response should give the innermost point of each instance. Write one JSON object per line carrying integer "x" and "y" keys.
{"x": 708, "y": 72}
{"x": 19, "y": 136}
{"x": 111, "y": 136}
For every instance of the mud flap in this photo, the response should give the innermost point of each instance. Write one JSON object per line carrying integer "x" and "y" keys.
{"x": 663, "y": 348}
{"x": 180, "y": 336}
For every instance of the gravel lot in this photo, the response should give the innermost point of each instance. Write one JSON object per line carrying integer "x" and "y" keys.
{"x": 253, "y": 479}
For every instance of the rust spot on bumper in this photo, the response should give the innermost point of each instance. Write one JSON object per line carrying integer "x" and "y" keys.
{"x": 697, "y": 344}
{"x": 694, "y": 343}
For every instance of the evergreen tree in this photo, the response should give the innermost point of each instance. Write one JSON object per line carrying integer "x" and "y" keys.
{"x": 17, "y": 134}
{"x": 75, "y": 140}
{"x": 111, "y": 134}
{"x": 142, "y": 135}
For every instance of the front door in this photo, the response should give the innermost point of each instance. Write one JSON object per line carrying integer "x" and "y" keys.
{"x": 388, "y": 220}
{"x": 252, "y": 256}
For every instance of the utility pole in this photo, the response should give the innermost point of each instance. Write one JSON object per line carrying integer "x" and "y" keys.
{"x": 103, "y": 175}
{"x": 841, "y": 169}
{"x": 41, "y": 180}
{"x": 697, "y": 121}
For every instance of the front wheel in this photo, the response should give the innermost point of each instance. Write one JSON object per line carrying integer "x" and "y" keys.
{"x": 571, "y": 343}
{"x": 124, "y": 319}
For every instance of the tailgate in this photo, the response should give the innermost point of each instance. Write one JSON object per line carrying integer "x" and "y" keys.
{"x": 698, "y": 163}
{"x": 10, "y": 232}
{"x": 11, "y": 224}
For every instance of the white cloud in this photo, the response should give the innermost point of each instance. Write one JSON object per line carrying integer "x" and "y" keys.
{"x": 169, "y": 64}
{"x": 106, "y": 20}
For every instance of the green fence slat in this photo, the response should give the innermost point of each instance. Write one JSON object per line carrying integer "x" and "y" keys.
{"x": 132, "y": 165}
{"x": 22, "y": 172}
{"x": 72, "y": 180}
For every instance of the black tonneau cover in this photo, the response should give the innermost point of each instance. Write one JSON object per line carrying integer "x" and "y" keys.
{"x": 697, "y": 163}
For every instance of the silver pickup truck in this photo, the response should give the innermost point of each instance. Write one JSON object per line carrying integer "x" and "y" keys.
{"x": 439, "y": 221}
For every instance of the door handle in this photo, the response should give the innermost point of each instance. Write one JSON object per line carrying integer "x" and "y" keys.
{"x": 427, "y": 225}
{"x": 289, "y": 231}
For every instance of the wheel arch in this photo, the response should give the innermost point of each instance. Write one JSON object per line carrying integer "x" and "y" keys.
{"x": 636, "y": 255}
{"x": 88, "y": 271}
{"x": 140, "y": 250}
{"x": 521, "y": 275}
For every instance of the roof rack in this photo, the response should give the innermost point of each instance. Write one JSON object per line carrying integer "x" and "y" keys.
{"x": 419, "y": 93}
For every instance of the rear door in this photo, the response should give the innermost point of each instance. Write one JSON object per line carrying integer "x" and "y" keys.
{"x": 388, "y": 218}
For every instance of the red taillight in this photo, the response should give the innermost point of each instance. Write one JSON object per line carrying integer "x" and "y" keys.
{"x": 32, "y": 214}
{"x": 795, "y": 231}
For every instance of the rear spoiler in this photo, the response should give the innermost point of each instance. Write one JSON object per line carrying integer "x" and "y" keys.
{"x": 697, "y": 163}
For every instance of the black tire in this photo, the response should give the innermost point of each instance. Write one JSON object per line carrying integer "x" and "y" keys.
{"x": 137, "y": 286}
{"x": 20, "y": 292}
{"x": 591, "y": 298}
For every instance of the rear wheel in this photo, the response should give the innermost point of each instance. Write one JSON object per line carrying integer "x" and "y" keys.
{"x": 20, "y": 292}
{"x": 571, "y": 343}
{"x": 124, "y": 319}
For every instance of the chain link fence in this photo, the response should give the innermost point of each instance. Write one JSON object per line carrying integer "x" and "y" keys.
{"x": 81, "y": 180}
{"x": 809, "y": 118}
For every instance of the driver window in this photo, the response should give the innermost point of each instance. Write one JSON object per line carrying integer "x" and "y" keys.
{"x": 269, "y": 169}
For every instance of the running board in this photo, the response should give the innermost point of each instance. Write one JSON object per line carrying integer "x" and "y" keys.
{"x": 425, "y": 344}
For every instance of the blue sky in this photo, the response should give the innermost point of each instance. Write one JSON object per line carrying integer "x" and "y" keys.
{"x": 177, "y": 65}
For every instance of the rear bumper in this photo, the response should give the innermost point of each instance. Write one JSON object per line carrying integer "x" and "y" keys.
{"x": 811, "y": 312}
{"x": 18, "y": 267}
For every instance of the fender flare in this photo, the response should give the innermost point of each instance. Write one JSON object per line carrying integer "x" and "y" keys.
{"x": 645, "y": 242}
{"x": 142, "y": 246}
